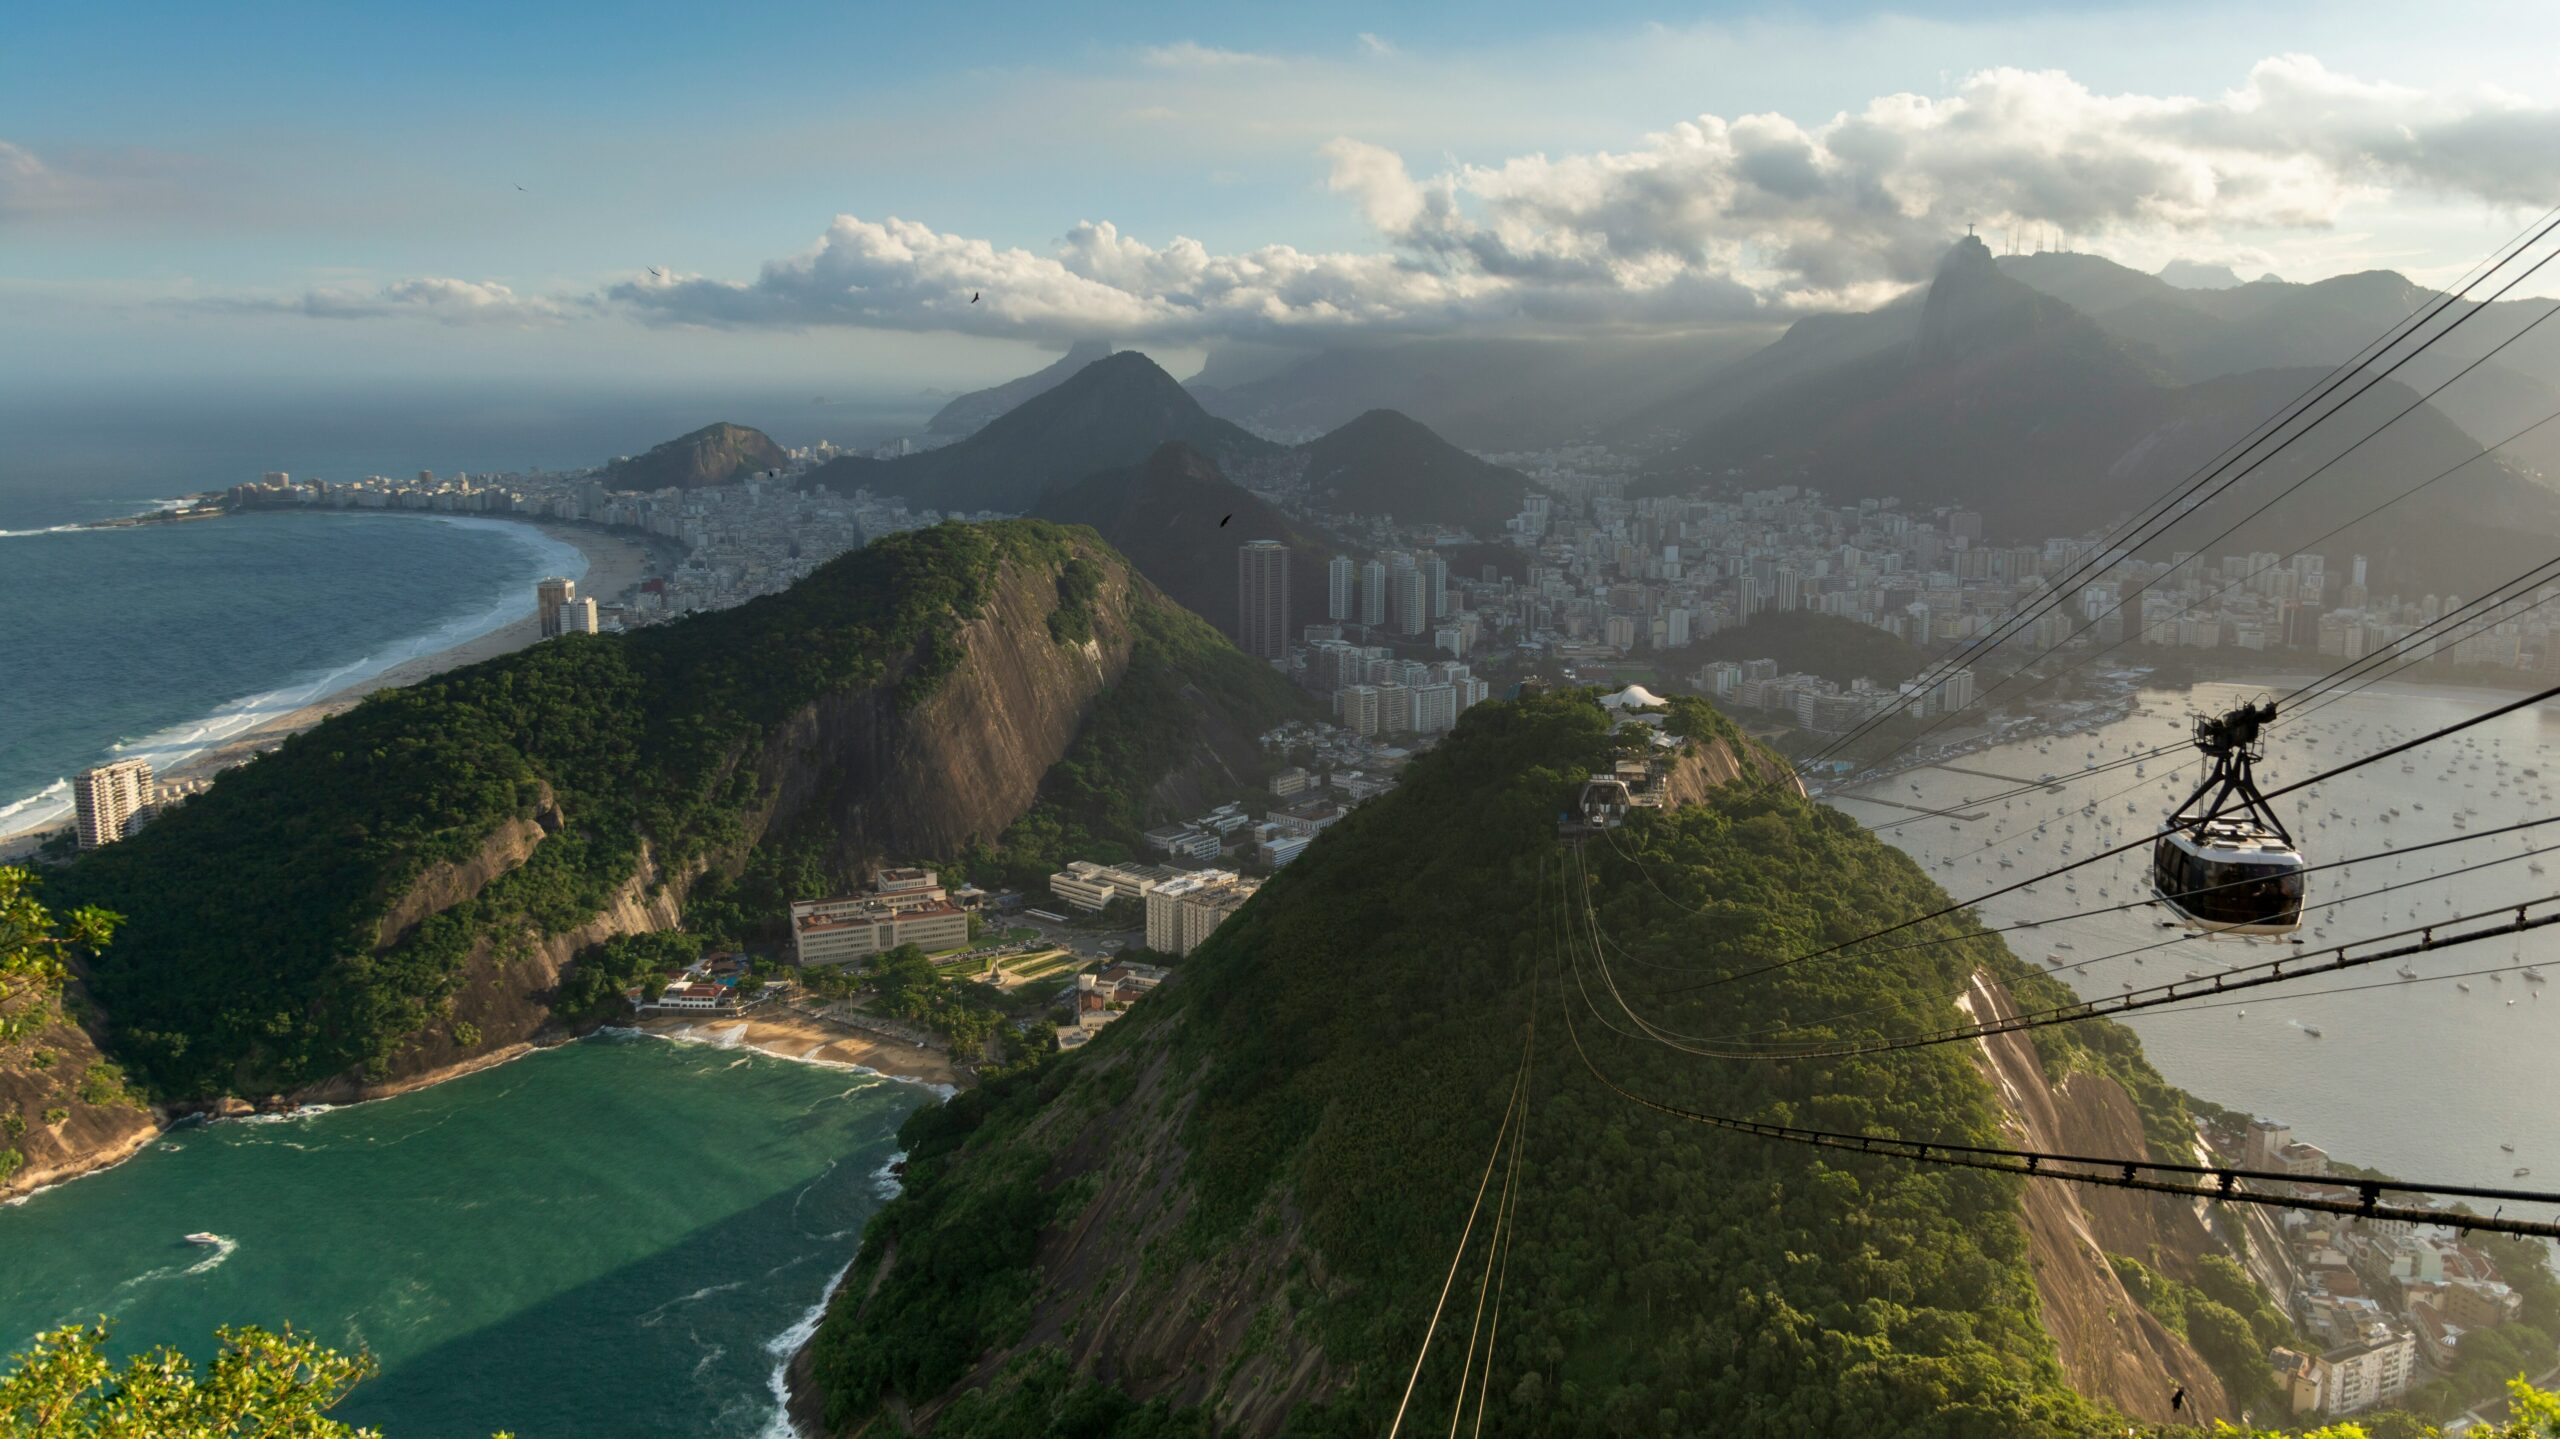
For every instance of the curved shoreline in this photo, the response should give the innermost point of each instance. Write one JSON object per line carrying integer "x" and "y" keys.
{"x": 615, "y": 564}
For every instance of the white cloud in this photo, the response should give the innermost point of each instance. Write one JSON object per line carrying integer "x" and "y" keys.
{"x": 1712, "y": 219}
{"x": 1191, "y": 55}
{"x": 440, "y": 299}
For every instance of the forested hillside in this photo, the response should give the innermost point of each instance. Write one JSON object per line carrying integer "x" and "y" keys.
{"x": 320, "y": 911}
{"x": 1233, "y": 1211}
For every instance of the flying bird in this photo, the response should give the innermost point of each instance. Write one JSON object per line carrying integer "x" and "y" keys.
{"x": 519, "y": 187}
{"x": 973, "y": 297}
{"x": 654, "y": 270}
{"x": 1222, "y": 524}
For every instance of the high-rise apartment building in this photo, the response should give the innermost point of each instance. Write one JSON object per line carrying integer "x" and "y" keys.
{"x": 1413, "y": 601}
{"x": 1262, "y": 599}
{"x": 548, "y": 596}
{"x": 110, "y": 801}
{"x": 578, "y": 617}
{"x": 1341, "y": 580}
{"x": 1373, "y": 593}
{"x": 1435, "y": 581}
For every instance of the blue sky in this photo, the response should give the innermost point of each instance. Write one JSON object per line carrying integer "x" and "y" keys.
{"x": 321, "y": 190}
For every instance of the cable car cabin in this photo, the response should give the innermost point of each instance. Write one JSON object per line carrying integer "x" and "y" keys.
{"x": 2232, "y": 878}
{"x": 1603, "y": 804}
{"x": 2223, "y": 862}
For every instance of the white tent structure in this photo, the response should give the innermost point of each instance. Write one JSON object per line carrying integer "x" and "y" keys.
{"x": 1633, "y": 697}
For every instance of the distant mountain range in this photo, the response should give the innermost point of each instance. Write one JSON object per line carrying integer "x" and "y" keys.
{"x": 2054, "y": 406}
{"x": 1110, "y": 414}
{"x": 712, "y": 455}
{"x": 1117, "y": 411}
{"x": 1485, "y": 394}
{"x": 1166, "y": 516}
{"x": 973, "y": 411}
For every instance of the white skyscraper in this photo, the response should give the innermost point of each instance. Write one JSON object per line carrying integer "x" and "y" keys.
{"x": 548, "y": 596}
{"x": 1340, "y": 589}
{"x": 107, "y": 800}
{"x": 1373, "y": 593}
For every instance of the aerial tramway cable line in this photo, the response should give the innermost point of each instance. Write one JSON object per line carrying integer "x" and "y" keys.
{"x": 2378, "y": 1199}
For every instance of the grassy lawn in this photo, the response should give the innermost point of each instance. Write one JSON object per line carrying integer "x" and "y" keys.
{"x": 1042, "y": 965}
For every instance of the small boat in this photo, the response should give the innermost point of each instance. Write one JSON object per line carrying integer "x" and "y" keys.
{"x": 2311, "y": 1029}
{"x": 2534, "y": 976}
{"x": 207, "y": 1238}
{"x": 2458, "y": 984}
{"x": 2521, "y": 1171}
{"x": 2506, "y": 1148}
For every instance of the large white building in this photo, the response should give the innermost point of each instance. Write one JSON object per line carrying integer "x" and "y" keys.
{"x": 549, "y": 598}
{"x": 111, "y": 801}
{"x": 1184, "y": 911}
{"x": 905, "y": 906}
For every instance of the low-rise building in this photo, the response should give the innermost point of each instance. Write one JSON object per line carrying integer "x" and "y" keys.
{"x": 1090, "y": 887}
{"x": 1290, "y": 780}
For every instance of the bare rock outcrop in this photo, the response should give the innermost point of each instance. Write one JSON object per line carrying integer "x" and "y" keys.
{"x": 2110, "y": 1346}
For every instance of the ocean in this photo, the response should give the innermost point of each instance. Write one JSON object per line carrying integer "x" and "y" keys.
{"x": 2423, "y": 1078}
{"x": 624, "y": 1235}
{"x": 158, "y": 641}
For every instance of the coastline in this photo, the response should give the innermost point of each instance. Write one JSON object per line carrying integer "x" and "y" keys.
{"x": 806, "y": 1039}
{"x": 616, "y": 564}
{"x": 784, "y": 1034}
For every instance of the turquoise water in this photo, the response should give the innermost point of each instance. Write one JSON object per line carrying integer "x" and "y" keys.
{"x": 621, "y": 1236}
{"x": 160, "y": 640}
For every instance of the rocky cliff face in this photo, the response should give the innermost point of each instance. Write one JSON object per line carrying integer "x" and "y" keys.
{"x": 60, "y": 1114}
{"x": 2109, "y": 1345}
{"x": 969, "y": 760}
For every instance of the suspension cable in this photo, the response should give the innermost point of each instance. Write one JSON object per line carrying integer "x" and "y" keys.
{"x": 2295, "y": 408}
{"x": 2331, "y": 773}
{"x": 2149, "y": 1176}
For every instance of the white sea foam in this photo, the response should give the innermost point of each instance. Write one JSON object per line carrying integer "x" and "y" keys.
{"x": 782, "y": 1346}
{"x": 167, "y": 748}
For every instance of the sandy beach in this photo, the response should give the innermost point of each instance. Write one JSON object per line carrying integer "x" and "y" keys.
{"x": 788, "y": 1034}
{"x": 616, "y": 564}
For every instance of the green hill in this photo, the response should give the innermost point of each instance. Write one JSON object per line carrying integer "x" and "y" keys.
{"x": 400, "y": 888}
{"x": 1808, "y": 640}
{"x": 1234, "y": 1209}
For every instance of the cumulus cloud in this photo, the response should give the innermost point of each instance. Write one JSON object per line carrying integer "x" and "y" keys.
{"x": 436, "y": 298}
{"x": 1712, "y": 220}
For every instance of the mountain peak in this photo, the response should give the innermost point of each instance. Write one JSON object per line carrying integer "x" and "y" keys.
{"x": 1972, "y": 304}
{"x": 713, "y": 455}
{"x": 974, "y": 411}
